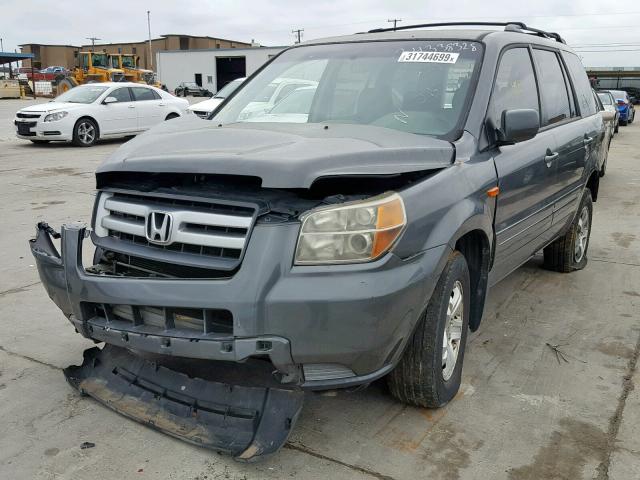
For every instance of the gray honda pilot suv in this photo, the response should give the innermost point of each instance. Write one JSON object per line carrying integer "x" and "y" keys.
{"x": 340, "y": 218}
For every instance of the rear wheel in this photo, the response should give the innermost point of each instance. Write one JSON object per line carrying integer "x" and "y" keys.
{"x": 615, "y": 130}
{"x": 623, "y": 123}
{"x": 85, "y": 132}
{"x": 429, "y": 373}
{"x": 569, "y": 252}
{"x": 172, "y": 115}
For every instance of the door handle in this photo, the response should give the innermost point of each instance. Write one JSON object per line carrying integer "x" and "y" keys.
{"x": 161, "y": 104}
{"x": 131, "y": 106}
{"x": 550, "y": 157}
{"x": 587, "y": 140}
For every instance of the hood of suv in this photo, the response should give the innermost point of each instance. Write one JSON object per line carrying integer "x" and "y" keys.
{"x": 282, "y": 155}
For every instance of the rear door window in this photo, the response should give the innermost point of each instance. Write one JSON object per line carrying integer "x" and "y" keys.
{"x": 581, "y": 83}
{"x": 515, "y": 85}
{"x": 556, "y": 106}
{"x": 142, "y": 93}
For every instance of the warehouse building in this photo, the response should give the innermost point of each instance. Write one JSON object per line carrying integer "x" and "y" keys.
{"x": 211, "y": 68}
{"x": 64, "y": 55}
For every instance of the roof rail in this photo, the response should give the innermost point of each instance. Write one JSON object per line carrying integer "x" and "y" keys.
{"x": 508, "y": 27}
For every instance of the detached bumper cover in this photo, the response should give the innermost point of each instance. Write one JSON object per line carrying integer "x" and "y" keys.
{"x": 245, "y": 422}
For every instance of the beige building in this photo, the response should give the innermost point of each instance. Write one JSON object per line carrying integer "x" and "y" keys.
{"x": 64, "y": 55}
{"x": 49, "y": 55}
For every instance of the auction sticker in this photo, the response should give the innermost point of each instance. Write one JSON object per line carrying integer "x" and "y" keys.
{"x": 429, "y": 57}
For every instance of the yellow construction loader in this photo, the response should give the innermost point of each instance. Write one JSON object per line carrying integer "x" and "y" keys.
{"x": 129, "y": 64}
{"x": 91, "y": 67}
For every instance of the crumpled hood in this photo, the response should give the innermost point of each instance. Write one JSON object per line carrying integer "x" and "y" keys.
{"x": 282, "y": 155}
{"x": 51, "y": 106}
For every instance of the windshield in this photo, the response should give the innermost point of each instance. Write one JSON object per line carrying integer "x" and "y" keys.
{"x": 605, "y": 98}
{"x": 298, "y": 101}
{"x": 413, "y": 86}
{"x": 82, "y": 94}
{"x": 128, "y": 62}
{"x": 229, "y": 88}
{"x": 99, "y": 59}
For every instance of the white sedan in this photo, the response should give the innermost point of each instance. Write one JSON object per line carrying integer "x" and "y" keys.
{"x": 203, "y": 109}
{"x": 89, "y": 112}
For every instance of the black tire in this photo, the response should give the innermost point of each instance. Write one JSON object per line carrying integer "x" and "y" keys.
{"x": 419, "y": 377}
{"x": 171, "y": 116}
{"x": 561, "y": 255}
{"x": 82, "y": 130}
{"x": 603, "y": 169}
{"x": 615, "y": 130}
{"x": 623, "y": 123}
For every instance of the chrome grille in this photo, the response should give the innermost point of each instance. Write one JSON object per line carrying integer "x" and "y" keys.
{"x": 211, "y": 229}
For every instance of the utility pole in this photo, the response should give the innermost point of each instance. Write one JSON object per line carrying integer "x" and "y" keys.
{"x": 93, "y": 42}
{"x": 149, "y": 26}
{"x": 298, "y": 33}
{"x": 394, "y": 21}
{"x": 1, "y": 46}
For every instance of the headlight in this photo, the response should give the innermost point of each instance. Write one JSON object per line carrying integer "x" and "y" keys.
{"x": 52, "y": 117}
{"x": 351, "y": 233}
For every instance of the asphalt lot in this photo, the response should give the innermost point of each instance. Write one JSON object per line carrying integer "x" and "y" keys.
{"x": 522, "y": 413}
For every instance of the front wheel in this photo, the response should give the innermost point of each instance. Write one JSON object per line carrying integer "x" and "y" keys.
{"x": 569, "y": 252}
{"x": 85, "y": 133}
{"x": 430, "y": 370}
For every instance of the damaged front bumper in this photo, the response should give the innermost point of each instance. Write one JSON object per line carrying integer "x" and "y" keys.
{"x": 72, "y": 289}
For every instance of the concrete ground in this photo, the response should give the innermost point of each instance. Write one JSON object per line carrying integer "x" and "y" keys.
{"x": 521, "y": 413}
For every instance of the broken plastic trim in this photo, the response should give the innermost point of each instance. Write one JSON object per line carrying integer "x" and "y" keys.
{"x": 245, "y": 422}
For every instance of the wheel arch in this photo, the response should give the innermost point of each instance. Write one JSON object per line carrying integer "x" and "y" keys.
{"x": 88, "y": 117}
{"x": 593, "y": 184}
{"x": 475, "y": 245}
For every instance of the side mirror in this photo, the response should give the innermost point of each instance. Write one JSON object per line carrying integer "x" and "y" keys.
{"x": 607, "y": 116}
{"x": 109, "y": 100}
{"x": 518, "y": 126}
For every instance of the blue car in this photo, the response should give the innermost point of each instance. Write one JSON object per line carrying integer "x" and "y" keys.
{"x": 625, "y": 106}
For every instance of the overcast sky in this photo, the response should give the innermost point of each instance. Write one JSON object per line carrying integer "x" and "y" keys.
{"x": 605, "y": 34}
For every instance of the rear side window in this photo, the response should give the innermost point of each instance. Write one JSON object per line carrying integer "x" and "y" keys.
{"x": 141, "y": 93}
{"x": 555, "y": 98}
{"x": 586, "y": 102}
{"x": 515, "y": 85}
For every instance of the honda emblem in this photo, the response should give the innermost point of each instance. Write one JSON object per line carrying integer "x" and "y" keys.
{"x": 158, "y": 228}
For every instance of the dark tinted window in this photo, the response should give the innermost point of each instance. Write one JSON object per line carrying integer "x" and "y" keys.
{"x": 581, "y": 84}
{"x": 141, "y": 93}
{"x": 515, "y": 85}
{"x": 553, "y": 89}
{"x": 121, "y": 94}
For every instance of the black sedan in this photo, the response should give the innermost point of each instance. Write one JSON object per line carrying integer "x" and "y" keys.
{"x": 193, "y": 89}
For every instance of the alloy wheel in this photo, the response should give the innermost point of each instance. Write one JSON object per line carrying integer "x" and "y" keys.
{"x": 86, "y": 133}
{"x": 582, "y": 235}
{"x": 452, "y": 335}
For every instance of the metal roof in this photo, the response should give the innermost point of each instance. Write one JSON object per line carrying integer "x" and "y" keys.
{"x": 8, "y": 57}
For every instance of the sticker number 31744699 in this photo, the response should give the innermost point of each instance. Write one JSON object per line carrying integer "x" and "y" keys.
{"x": 429, "y": 57}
